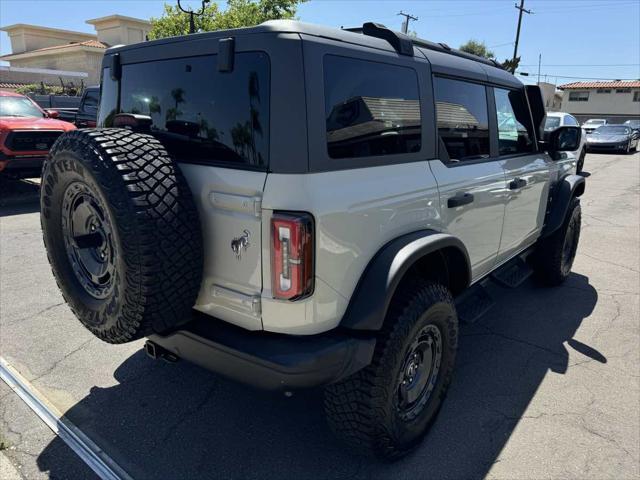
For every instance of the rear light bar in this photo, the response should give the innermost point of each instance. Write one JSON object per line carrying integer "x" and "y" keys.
{"x": 291, "y": 255}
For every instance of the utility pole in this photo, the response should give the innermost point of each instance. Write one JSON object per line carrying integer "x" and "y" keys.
{"x": 522, "y": 9}
{"x": 192, "y": 14}
{"x": 539, "y": 62}
{"x": 405, "y": 22}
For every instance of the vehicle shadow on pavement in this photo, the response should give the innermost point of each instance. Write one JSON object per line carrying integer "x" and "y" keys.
{"x": 179, "y": 421}
{"x": 18, "y": 196}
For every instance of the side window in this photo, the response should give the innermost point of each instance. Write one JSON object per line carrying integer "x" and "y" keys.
{"x": 202, "y": 115}
{"x": 570, "y": 121}
{"x": 515, "y": 131}
{"x": 370, "y": 108}
{"x": 463, "y": 119}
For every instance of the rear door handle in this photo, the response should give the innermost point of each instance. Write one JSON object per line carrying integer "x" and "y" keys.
{"x": 517, "y": 183}
{"x": 459, "y": 200}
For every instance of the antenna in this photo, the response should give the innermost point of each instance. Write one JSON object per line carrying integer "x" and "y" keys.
{"x": 192, "y": 24}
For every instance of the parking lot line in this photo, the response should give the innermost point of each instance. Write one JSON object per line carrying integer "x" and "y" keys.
{"x": 103, "y": 465}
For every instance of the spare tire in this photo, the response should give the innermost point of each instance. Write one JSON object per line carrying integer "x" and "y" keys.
{"x": 122, "y": 233}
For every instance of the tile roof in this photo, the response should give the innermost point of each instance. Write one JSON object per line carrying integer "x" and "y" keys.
{"x": 612, "y": 84}
{"x": 88, "y": 43}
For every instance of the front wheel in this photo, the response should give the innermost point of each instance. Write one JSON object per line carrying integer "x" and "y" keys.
{"x": 386, "y": 409}
{"x": 555, "y": 254}
{"x": 580, "y": 165}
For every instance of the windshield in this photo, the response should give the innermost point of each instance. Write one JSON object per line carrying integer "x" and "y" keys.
{"x": 551, "y": 123}
{"x": 633, "y": 123}
{"x": 594, "y": 122}
{"x": 613, "y": 129}
{"x": 18, "y": 107}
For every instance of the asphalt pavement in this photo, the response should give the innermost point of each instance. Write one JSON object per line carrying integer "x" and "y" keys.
{"x": 547, "y": 382}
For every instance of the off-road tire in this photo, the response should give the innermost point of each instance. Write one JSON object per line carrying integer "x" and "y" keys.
{"x": 363, "y": 409}
{"x": 580, "y": 164}
{"x": 551, "y": 262}
{"x": 153, "y": 235}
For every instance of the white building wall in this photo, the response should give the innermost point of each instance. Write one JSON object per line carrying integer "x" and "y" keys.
{"x": 602, "y": 105}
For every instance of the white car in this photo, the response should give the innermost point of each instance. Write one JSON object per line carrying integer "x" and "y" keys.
{"x": 560, "y": 119}
{"x": 590, "y": 125}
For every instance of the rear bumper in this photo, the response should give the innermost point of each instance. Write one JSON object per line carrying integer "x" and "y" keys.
{"x": 267, "y": 360}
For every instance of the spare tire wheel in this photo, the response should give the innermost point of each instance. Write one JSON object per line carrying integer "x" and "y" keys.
{"x": 121, "y": 231}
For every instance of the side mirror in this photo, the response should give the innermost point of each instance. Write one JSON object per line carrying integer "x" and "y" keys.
{"x": 52, "y": 113}
{"x": 564, "y": 139}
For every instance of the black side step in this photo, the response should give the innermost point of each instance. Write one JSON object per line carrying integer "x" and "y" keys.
{"x": 473, "y": 303}
{"x": 513, "y": 273}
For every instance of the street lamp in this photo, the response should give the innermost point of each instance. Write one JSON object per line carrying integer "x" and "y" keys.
{"x": 192, "y": 25}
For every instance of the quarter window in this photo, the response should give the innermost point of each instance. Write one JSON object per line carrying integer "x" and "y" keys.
{"x": 370, "y": 108}
{"x": 463, "y": 119}
{"x": 515, "y": 130}
{"x": 108, "y": 99}
{"x": 202, "y": 115}
{"x": 578, "y": 96}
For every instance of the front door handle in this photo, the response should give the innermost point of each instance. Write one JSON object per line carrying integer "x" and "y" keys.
{"x": 517, "y": 183}
{"x": 459, "y": 200}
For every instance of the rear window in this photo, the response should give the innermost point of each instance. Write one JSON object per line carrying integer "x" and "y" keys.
{"x": 371, "y": 108}
{"x": 202, "y": 115}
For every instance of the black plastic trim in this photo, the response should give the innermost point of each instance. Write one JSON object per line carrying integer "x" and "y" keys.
{"x": 370, "y": 301}
{"x": 567, "y": 188}
{"x": 267, "y": 360}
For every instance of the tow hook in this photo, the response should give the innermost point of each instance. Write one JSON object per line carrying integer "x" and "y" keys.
{"x": 156, "y": 352}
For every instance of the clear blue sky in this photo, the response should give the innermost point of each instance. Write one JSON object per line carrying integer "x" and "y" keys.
{"x": 577, "y": 38}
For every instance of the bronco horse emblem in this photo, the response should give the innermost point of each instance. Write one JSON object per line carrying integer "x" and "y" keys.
{"x": 240, "y": 244}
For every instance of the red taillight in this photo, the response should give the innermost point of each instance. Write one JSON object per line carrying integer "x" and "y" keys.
{"x": 291, "y": 255}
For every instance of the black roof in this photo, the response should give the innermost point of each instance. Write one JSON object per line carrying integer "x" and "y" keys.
{"x": 370, "y": 34}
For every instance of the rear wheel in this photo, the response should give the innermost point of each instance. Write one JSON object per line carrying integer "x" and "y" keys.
{"x": 122, "y": 233}
{"x": 387, "y": 408}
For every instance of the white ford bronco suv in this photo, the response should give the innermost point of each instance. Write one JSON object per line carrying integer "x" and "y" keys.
{"x": 297, "y": 206}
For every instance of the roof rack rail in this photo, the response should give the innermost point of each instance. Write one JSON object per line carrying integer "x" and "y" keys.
{"x": 403, "y": 44}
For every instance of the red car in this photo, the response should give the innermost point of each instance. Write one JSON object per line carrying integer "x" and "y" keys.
{"x": 26, "y": 134}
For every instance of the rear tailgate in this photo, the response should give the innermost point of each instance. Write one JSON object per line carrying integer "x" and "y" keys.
{"x": 229, "y": 202}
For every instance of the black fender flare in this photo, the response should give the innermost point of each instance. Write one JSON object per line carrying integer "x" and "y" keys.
{"x": 569, "y": 187}
{"x": 370, "y": 301}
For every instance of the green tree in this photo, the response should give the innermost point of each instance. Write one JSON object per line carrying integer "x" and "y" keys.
{"x": 477, "y": 48}
{"x": 239, "y": 13}
{"x": 510, "y": 65}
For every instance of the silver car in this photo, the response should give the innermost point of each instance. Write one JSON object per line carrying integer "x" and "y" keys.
{"x": 613, "y": 138}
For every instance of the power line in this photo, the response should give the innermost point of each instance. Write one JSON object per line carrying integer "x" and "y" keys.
{"x": 527, "y": 74}
{"x": 585, "y": 65}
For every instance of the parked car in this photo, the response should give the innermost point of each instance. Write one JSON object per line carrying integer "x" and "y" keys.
{"x": 327, "y": 201}
{"x": 593, "y": 123}
{"x": 613, "y": 138}
{"x": 555, "y": 120}
{"x": 634, "y": 124}
{"x": 85, "y": 115}
{"x": 26, "y": 134}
